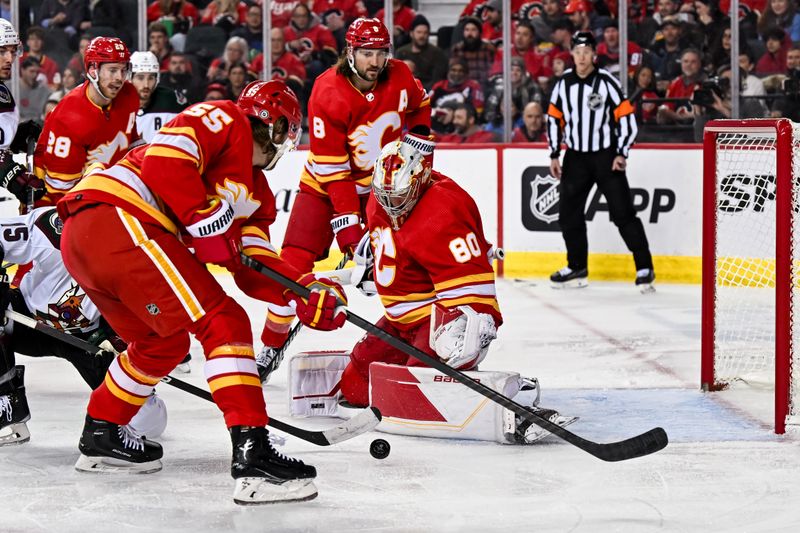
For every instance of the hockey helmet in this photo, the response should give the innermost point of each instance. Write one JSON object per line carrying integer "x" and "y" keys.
{"x": 145, "y": 62}
{"x": 269, "y": 102}
{"x": 584, "y": 38}
{"x": 368, "y": 33}
{"x": 401, "y": 173}
{"x": 8, "y": 35}
{"x": 105, "y": 50}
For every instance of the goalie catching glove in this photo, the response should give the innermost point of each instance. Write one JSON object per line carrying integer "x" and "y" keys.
{"x": 17, "y": 180}
{"x": 363, "y": 276}
{"x": 461, "y": 336}
{"x": 325, "y": 307}
{"x": 215, "y": 238}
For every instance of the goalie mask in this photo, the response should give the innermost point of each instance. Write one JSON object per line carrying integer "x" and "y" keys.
{"x": 401, "y": 173}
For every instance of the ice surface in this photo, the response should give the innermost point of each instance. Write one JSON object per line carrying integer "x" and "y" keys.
{"x": 622, "y": 361}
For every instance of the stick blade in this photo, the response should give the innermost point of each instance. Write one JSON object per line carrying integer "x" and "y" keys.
{"x": 648, "y": 442}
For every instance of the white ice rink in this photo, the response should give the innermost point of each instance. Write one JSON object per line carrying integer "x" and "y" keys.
{"x": 622, "y": 361}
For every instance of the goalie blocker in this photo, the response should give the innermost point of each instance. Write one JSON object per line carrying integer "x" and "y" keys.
{"x": 420, "y": 401}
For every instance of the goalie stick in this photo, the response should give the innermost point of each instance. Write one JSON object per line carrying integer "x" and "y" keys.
{"x": 648, "y": 442}
{"x": 364, "y": 421}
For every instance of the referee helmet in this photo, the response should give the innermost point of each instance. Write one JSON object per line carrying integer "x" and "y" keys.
{"x": 584, "y": 38}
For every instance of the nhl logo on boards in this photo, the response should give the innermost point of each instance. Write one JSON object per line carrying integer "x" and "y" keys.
{"x": 152, "y": 309}
{"x": 595, "y": 101}
{"x": 540, "y": 198}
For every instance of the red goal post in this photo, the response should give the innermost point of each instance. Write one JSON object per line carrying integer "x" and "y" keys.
{"x": 750, "y": 239}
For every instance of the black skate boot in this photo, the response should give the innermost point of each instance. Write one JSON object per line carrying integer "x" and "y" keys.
{"x": 567, "y": 278}
{"x": 264, "y": 475}
{"x": 14, "y": 412}
{"x": 267, "y": 361}
{"x": 109, "y": 447}
{"x": 644, "y": 280}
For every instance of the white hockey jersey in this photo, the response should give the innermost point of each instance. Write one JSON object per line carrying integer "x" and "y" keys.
{"x": 9, "y": 117}
{"x": 164, "y": 105}
{"x": 52, "y": 296}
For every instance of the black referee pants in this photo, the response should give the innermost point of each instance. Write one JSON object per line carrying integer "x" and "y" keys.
{"x": 580, "y": 171}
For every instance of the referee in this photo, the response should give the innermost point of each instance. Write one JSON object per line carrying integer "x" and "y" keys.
{"x": 589, "y": 113}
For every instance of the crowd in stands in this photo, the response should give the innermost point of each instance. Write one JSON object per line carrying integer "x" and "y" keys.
{"x": 679, "y": 55}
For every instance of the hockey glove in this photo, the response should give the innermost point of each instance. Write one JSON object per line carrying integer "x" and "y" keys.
{"x": 19, "y": 181}
{"x": 30, "y": 129}
{"x": 215, "y": 237}
{"x": 325, "y": 307}
{"x": 348, "y": 231}
{"x": 364, "y": 271}
{"x": 461, "y": 336}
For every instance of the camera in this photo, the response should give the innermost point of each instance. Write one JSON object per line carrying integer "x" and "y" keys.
{"x": 704, "y": 95}
{"x": 791, "y": 85}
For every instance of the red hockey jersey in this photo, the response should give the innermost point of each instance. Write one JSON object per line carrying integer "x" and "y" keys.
{"x": 205, "y": 151}
{"x": 439, "y": 254}
{"x": 79, "y": 133}
{"x": 349, "y": 128}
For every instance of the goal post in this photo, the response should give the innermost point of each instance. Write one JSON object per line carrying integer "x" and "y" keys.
{"x": 750, "y": 272}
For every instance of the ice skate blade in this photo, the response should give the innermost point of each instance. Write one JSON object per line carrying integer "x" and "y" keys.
{"x": 15, "y": 434}
{"x": 571, "y": 284}
{"x": 535, "y": 433}
{"x": 646, "y": 288}
{"x": 261, "y": 491}
{"x": 108, "y": 465}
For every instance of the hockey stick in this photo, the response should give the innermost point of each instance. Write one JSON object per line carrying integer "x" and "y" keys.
{"x": 648, "y": 442}
{"x": 364, "y": 421}
{"x": 31, "y": 147}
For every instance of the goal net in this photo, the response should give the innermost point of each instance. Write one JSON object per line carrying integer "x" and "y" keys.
{"x": 750, "y": 273}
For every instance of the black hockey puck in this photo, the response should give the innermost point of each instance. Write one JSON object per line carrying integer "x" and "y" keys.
{"x": 379, "y": 449}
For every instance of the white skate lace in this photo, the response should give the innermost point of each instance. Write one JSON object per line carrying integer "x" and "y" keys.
{"x": 279, "y": 454}
{"x": 130, "y": 438}
{"x": 566, "y": 271}
{"x": 5, "y": 407}
{"x": 276, "y": 440}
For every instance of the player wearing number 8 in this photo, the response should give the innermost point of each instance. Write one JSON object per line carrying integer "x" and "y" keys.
{"x": 94, "y": 123}
{"x": 429, "y": 248}
{"x": 158, "y": 105}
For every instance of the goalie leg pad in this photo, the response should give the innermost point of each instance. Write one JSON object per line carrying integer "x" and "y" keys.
{"x": 422, "y": 402}
{"x": 315, "y": 382}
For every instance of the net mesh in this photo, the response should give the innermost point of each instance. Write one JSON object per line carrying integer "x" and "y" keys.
{"x": 745, "y": 258}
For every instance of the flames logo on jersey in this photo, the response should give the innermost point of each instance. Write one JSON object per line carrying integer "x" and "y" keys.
{"x": 367, "y": 139}
{"x": 105, "y": 152}
{"x": 66, "y": 314}
{"x": 239, "y": 197}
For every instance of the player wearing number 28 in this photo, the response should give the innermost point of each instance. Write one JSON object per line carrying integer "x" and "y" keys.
{"x": 94, "y": 123}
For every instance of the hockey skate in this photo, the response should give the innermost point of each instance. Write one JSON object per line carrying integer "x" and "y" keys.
{"x": 529, "y": 433}
{"x": 264, "y": 475}
{"x": 644, "y": 280}
{"x": 14, "y": 412}
{"x": 109, "y": 447}
{"x": 183, "y": 367}
{"x": 566, "y": 278}
{"x": 267, "y": 361}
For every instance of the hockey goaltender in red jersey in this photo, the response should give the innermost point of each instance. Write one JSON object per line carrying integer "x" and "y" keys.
{"x": 200, "y": 184}
{"x": 356, "y": 107}
{"x": 94, "y": 123}
{"x": 433, "y": 272}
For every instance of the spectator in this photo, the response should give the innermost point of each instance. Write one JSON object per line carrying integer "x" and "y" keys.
{"x": 523, "y": 91}
{"x": 337, "y": 15}
{"x": 70, "y": 79}
{"x": 76, "y": 61}
{"x": 312, "y": 42}
{"x": 49, "y": 105}
{"x": 72, "y": 16}
{"x": 281, "y": 12}
{"x": 49, "y": 73}
{"x": 774, "y": 60}
{"x": 665, "y": 55}
{"x": 711, "y": 22}
{"x": 683, "y": 87}
{"x": 721, "y": 51}
{"x": 492, "y": 30}
{"x": 561, "y": 37}
{"x": 644, "y": 88}
{"x": 649, "y": 31}
{"x": 608, "y": 51}
{"x": 238, "y": 78}
{"x": 751, "y": 85}
{"x": 458, "y": 88}
{"x": 429, "y": 60}
{"x": 252, "y": 30}
{"x": 226, "y": 14}
{"x": 286, "y": 66}
{"x": 720, "y": 106}
{"x": 780, "y": 14}
{"x": 523, "y": 47}
{"x": 217, "y": 90}
{"x": 788, "y": 106}
{"x": 180, "y": 78}
{"x": 403, "y": 16}
{"x": 32, "y": 93}
{"x": 108, "y": 13}
{"x": 235, "y": 52}
{"x": 479, "y": 55}
{"x": 466, "y": 129}
{"x": 542, "y": 21}
{"x": 581, "y": 16}
{"x": 533, "y": 127}
{"x": 177, "y": 16}
{"x": 158, "y": 40}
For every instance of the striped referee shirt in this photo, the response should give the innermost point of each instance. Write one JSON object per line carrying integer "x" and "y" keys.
{"x": 590, "y": 114}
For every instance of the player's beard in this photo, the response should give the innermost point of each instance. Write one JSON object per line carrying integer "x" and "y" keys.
{"x": 370, "y": 74}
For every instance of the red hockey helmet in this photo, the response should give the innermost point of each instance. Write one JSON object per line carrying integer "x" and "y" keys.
{"x": 368, "y": 33}
{"x": 105, "y": 50}
{"x": 269, "y": 102}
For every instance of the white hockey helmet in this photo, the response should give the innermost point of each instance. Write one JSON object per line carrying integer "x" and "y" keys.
{"x": 400, "y": 175}
{"x": 146, "y": 62}
{"x": 8, "y": 35}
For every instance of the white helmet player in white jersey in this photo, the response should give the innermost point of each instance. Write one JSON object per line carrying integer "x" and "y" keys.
{"x": 10, "y": 48}
{"x": 145, "y": 75}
